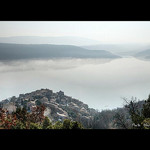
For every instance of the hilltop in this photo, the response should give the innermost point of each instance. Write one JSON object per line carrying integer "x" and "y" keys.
{"x": 58, "y": 105}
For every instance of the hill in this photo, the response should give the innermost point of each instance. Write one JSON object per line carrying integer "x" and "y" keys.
{"x": 58, "y": 105}
{"x": 144, "y": 54}
{"x": 44, "y": 51}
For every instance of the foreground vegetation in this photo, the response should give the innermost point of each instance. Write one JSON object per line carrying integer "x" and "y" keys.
{"x": 138, "y": 115}
{"x": 21, "y": 119}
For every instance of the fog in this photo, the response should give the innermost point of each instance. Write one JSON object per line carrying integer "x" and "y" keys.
{"x": 100, "y": 83}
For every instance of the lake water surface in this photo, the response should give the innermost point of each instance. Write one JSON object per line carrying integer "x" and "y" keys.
{"x": 100, "y": 83}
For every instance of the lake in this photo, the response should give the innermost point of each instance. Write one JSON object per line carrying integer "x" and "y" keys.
{"x": 100, "y": 83}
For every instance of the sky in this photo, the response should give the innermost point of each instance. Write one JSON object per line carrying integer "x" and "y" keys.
{"x": 104, "y": 31}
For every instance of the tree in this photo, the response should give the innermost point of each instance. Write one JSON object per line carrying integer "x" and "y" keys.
{"x": 37, "y": 115}
{"x": 21, "y": 114}
{"x": 76, "y": 125}
{"x": 135, "y": 113}
{"x": 46, "y": 123}
{"x": 35, "y": 126}
{"x": 66, "y": 124}
{"x": 120, "y": 121}
{"x": 7, "y": 121}
{"x": 57, "y": 125}
{"x": 19, "y": 125}
{"x": 140, "y": 114}
{"x": 146, "y": 108}
{"x": 102, "y": 119}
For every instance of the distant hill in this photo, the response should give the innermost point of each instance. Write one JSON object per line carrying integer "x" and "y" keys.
{"x": 42, "y": 51}
{"x": 61, "y": 40}
{"x": 144, "y": 54}
{"x": 120, "y": 49}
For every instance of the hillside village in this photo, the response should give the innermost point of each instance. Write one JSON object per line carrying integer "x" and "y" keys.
{"x": 58, "y": 105}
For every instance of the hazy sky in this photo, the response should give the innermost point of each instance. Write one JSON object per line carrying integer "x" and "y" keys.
{"x": 104, "y": 31}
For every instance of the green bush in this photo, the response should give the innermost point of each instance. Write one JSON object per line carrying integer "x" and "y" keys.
{"x": 66, "y": 124}
{"x": 19, "y": 125}
{"x": 57, "y": 125}
{"x": 35, "y": 126}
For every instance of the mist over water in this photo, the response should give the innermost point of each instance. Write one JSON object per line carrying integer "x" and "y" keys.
{"x": 100, "y": 83}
